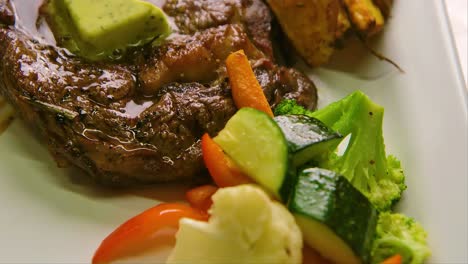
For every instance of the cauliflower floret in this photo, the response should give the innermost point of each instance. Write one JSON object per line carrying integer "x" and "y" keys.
{"x": 246, "y": 226}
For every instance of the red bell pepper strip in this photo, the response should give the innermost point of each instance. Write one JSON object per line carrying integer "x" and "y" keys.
{"x": 222, "y": 169}
{"x": 138, "y": 233}
{"x": 246, "y": 90}
{"x": 200, "y": 197}
{"x": 397, "y": 259}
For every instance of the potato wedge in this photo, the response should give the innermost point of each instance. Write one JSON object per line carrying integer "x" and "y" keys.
{"x": 365, "y": 16}
{"x": 312, "y": 26}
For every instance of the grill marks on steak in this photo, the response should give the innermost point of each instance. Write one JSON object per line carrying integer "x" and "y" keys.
{"x": 138, "y": 121}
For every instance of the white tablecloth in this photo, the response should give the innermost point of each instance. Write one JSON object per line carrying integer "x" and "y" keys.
{"x": 457, "y": 12}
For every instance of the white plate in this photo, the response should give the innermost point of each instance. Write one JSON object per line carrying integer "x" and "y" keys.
{"x": 47, "y": 217}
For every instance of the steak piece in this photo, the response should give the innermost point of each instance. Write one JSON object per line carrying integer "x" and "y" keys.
{"x": 206, "y": 49}
{"x": 192, "y": 16}
{"x": 138, "y": 121}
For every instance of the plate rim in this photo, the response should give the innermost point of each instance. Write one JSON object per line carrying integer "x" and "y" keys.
{"x": 451, "y": 49}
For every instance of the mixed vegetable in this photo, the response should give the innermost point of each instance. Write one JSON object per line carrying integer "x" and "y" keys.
{"x": 245, "y": 226}
{"x": 281, "y": 183}
{"x": 364, "y": 163}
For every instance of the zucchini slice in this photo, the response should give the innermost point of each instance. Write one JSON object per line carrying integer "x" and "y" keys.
{"x": 257, "y": 145}
{"x": 307, "y": 137}
{"x": 335, "y": 218}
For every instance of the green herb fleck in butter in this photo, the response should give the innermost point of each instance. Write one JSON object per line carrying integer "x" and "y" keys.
{"x": 104, "y": 26}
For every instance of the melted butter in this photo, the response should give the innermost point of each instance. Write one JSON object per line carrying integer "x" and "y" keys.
{"x": 133, "y": 110}
{"x": 127, "y": 146}
{"x": 29, "y": 18}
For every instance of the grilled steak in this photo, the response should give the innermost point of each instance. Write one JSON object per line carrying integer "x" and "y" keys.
{"x": 192, "y": 16}
{"x": 140, "y": 121}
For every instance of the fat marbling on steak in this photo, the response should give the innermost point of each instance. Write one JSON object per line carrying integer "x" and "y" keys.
{"x": 140, "y": 121}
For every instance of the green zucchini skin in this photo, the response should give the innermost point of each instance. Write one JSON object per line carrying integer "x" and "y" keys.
{"x": 255, "y": 142}
{"x": 328, "y": 198}
{"x": 307, "y": 137}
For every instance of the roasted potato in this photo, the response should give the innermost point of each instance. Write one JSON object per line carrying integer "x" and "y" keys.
{"x": 366, "y": 17}
{"x": 311, "y": 25}
{"x": 314, "y": 26}
{"x": 343, "y": 23}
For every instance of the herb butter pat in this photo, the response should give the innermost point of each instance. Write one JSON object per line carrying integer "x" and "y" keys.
{"x": 115, "y": 24}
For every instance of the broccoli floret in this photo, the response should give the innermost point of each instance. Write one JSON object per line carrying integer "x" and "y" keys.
{"x": 290, "y": 107}
{"x": 399, "y": 234}
{"x": 364, "y": 162}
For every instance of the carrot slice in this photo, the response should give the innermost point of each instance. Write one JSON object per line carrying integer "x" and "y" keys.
{"x": 222, "y": 169}
{"x": 397, "y": 259}
{"x": 200, "y": 197}
{"x": 246, "y": 90}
